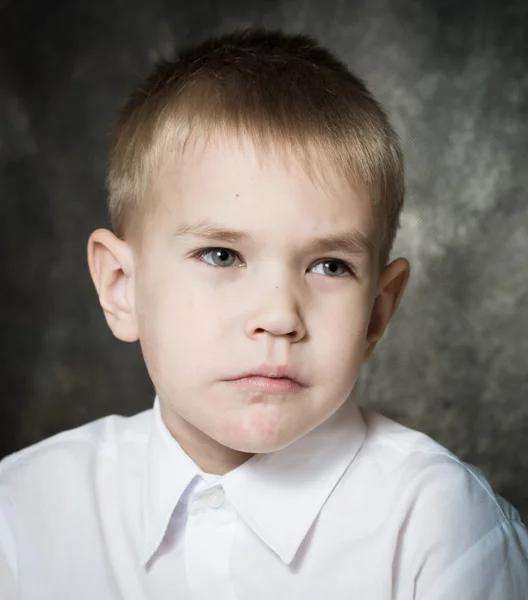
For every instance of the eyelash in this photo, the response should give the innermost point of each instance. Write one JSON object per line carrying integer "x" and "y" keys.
{"x": 199, "y": 254}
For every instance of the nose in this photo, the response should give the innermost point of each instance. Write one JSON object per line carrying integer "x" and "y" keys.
{"x": 277, "y": 313}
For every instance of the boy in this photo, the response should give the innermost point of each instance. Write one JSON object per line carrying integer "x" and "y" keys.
{"x": 255, "y": 191}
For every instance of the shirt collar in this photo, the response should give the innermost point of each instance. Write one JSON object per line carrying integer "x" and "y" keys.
{"x": 169, "y": 473}
{"x": 278, "y": 494}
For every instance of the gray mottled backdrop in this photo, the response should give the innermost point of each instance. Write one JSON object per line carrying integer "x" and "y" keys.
{"x": 453, "y": 76}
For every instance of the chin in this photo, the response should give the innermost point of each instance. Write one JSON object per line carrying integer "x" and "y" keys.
{"x": 256, "y": 444}
{"x": 259, "y": 430}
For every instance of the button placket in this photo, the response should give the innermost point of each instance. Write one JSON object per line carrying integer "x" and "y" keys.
{"x": 208, "y": 538}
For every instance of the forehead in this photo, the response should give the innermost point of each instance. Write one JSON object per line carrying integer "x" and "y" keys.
{"x": 231, "y": 180}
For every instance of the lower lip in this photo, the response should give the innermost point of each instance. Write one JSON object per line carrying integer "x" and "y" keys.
{"x": 267, "y": 384}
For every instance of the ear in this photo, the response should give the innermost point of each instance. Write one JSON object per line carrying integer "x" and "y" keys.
{"x": 392, "y": 284}
{"x": 111, "y": 263}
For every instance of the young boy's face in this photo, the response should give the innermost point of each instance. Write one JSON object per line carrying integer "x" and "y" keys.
{"x": 249, "y": 266}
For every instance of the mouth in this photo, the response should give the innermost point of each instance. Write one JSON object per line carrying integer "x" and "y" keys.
{"x": 276, "y": 379}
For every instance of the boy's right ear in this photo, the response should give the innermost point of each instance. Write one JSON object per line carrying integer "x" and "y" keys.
{"x": 111, "y": 263}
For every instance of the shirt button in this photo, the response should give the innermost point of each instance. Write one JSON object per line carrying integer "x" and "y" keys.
{"x": 215, "y": 498}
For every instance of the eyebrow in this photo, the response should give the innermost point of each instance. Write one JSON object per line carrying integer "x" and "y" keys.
{"x": 350, "y": 241}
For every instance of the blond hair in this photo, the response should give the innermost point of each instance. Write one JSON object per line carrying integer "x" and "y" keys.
{"x": 280, "y": 90}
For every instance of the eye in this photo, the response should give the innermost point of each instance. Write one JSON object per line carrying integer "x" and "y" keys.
{"x": 218, "y": 257}
{"x": 333, "y": 268}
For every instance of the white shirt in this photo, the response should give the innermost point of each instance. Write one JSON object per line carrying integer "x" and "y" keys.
{"x": 361, "y": 508}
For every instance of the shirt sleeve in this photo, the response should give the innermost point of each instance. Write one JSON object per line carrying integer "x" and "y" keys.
{"x": 8, "y": 583}
{"x": 495, "y": 568}
{"x": 7, "y": 580}
{"x": 468, "y": 543}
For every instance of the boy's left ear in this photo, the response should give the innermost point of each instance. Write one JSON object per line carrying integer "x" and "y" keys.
{"x": 392, "y": 284}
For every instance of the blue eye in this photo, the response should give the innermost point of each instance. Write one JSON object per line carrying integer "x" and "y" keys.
{"x": 219, "y": 257}
{"x": 333, "y": 268}
{"x": 225, "y": 258}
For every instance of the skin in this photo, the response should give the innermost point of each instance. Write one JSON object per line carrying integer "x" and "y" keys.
{"x": 203, "y": 318}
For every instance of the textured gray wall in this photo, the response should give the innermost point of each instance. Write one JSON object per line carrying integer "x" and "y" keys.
{"x": 454, "y": 78}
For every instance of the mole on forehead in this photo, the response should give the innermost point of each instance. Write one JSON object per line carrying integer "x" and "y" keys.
{"x": 350, "y": 240}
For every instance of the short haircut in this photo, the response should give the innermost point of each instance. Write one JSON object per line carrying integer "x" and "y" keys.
{"x": 281, "y": 91}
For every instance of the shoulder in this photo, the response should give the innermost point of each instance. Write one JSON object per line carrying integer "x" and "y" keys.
{"x": 454, "y": 532}
{"x": 58, "y": 485}
{"x": 68, "y": 453}
{"x": 428, "y": 474}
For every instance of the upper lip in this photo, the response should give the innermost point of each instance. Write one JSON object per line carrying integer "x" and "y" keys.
{"x": 274, "y": 372}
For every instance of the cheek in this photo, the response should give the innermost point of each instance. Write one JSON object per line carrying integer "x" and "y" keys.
{"x": 340, "y": 339}
{"x": 339, "y": 350}
{"x": 180, "y": 329}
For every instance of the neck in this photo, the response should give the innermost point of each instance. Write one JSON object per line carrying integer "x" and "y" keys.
{"x": 208, "y": 454}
